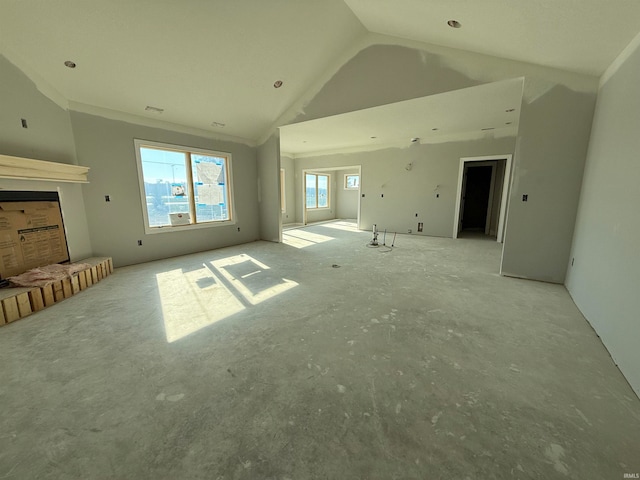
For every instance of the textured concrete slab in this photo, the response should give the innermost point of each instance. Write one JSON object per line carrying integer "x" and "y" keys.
{"x": 326, "y": 359}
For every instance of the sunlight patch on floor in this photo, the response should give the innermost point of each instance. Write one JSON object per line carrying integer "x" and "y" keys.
{"x": 251, "y": 278}
{"x": 193, "y": 300}
{"x": 345, "y": 225}
{"x": 302, "y": 238}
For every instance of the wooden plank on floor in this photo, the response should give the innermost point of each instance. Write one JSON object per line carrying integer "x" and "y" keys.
{"x": 89, "y": 277}
{"x": 10, "y": 307}
{"x": 36, "y": 299}
{"x": 110, "y": 265}
{"x": 94, "y": 274}
{"x": 58, "y": 292}
{"x": 75, "y": 284}
{"x": 82, "y": 277}
{"x": 24, "y": 305}
{"x": 2, "y": 320}
{"x": 66, "y": 288}
{"x": 47, "y": 294}
{"x": 99, "y": 271}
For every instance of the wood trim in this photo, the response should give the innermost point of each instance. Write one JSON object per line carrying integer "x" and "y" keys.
{"x": 29, "y": 169}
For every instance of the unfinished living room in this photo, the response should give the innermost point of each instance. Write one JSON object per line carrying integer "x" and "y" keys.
{"x": 338, "y": 239}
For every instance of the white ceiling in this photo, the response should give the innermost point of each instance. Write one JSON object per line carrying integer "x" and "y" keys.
{"x": 206, "y": 61}
{"x": 202, "y": 61}
{"x": 583, "y": 36}
{"x": 460, "y": 114}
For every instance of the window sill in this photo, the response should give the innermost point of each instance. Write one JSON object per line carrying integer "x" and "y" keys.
{"x": 185, "y": 228}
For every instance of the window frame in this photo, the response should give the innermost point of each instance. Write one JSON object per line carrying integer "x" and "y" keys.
{"x": 152, "y": 230}
{"x": 346, "y": 176}
{"x": 328, "y": 191}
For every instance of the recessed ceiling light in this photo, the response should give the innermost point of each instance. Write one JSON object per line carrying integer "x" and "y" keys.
{"x": 70, "y": 64}
{"x": 374, "y": 137}
{"x": 434, "y": 129}
{"x": 509, "y": 110}
{"x": 454, "y": 24}
{"x": 151, "y": 109}
{"x": 218, "y": 124}
{"x": 277, "y": 84}
{"x": 488, "y": 128}
{"x": 508, "y": 123}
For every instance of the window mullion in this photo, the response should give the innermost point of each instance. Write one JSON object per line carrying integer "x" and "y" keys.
{"x": 317, "y": 193}
{"x": 192, "y": 189}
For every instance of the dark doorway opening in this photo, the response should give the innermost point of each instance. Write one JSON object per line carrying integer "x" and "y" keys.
{"x": 476, "y": 198}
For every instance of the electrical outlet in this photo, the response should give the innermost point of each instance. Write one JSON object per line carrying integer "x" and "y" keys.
{"x": 525, "y": 198}
{"x": 23, "y": 122}
{"x": 572, "y": 260}
{"x": 107, "y": 198}
{"x": 139, "y": 243}
{"x": 437, "y": 195}
{"x": 238, "y": 228}
{"x": 409, "y": 231}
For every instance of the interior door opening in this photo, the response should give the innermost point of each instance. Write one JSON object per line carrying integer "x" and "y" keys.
{"x": 477, "y": 199}
{"x": 481, "y": 202}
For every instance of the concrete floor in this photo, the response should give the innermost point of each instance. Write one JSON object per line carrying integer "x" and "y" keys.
{"x": 263, "y": 361}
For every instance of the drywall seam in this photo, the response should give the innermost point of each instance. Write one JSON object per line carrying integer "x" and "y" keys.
{"x": 458, "y": 137}
{"x": 620, "y": 60}
{"x": 154, "y": 123}
{"x": 40, "y": 83}
{"x": 298, "y": 105}
{"x": 457, "y": 59}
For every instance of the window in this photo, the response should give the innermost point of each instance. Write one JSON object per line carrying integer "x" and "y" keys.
{"x": 317, "y": 187}
{"x": 183, "y": 187}
{"x": 283, "y": 203}
{"x": 351, "y": 182}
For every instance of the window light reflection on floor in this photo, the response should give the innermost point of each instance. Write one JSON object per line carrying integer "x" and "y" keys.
{"x": 252, "y": 278}
{"x": 193, "y": 300}
{"x": 302, "y": 238}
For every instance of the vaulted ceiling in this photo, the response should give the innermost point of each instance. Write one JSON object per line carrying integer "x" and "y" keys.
{"x": 212, "y": 64}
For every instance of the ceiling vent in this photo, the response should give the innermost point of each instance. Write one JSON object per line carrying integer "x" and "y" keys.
{"x": 151, "y": 109}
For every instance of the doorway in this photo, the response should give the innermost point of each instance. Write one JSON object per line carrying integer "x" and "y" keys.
{"x": 475, "y": 210}
{"x": 481, "y": 202}
{"x": 343, "y": 194}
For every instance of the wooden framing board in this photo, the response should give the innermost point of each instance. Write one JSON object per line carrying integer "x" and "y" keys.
{"x": 19, "y": 302}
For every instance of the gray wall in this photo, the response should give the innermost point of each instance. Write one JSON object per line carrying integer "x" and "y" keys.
{"x": 49, "y": 137}
{"x": 289, "y": 215}
{"x": 346, "y": 200}
{"x": 604, "y": 280}
{"x": 407, "y": 192}
{"x": 268, "y": 158}
{"x": 106, "y": 146}
{"x": 553, "y": 136}
{"x": 550, "y": 153}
